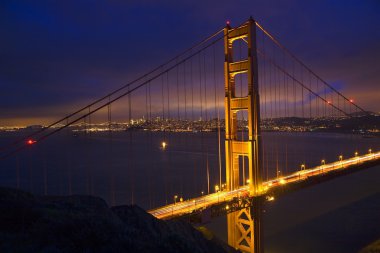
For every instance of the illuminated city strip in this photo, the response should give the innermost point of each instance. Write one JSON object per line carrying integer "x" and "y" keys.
{"x": 188, "y": 206}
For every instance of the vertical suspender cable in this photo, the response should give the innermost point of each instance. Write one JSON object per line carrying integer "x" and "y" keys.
{"x": 206, "y": 119}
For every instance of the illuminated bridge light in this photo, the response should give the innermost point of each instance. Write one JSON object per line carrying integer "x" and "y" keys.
{"x": 282, "y": 181}
{"x": 30, "y": 142}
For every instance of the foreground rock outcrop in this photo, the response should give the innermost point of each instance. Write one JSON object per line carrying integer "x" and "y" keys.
{"x": 86, "y": 224}
{"x": 372, "y": 248}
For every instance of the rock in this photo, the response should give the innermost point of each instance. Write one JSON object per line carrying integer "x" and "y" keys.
{"x": 87, "y": 224}
{"x": 372, "y": 248}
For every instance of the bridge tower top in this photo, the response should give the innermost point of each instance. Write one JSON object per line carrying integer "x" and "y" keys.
{"x": 244, "y": 228}
{"x": 236, "y": 148}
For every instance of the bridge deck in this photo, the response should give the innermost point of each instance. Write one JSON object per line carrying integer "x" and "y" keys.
{"x": 206, "y": 201}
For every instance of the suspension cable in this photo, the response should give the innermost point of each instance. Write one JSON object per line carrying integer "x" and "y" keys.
{"x": 117, "y": 90}
{"x": 130, "y": 90}
{"x": 300, "y": 83}
{"x": 305, "y": 66}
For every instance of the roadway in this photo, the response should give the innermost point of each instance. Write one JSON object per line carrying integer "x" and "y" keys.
{"x": 202, "y": 202}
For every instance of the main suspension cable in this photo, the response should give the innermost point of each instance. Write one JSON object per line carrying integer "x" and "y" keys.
{"x": 305, "y": 66}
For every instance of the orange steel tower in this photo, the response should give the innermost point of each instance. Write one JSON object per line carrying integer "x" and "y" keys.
{"x": 244, "y": 228}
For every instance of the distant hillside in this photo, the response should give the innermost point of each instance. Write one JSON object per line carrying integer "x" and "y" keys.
{"x": 366, "y": 124}
{"x": 87, "y": 224}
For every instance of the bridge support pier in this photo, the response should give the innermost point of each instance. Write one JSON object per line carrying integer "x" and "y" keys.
{"x": 244, "y": 226}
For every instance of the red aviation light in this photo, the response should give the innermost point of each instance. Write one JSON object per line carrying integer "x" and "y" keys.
{"x": 228, "y": 22}
{"x": 351, "y": 100}
{"x": 30, "y": 142}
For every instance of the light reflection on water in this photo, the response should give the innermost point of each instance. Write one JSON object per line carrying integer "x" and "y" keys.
{"x": 126, "y": 167}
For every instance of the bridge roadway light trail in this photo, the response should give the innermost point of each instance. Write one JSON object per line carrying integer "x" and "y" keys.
{"x": 185, "y": 207}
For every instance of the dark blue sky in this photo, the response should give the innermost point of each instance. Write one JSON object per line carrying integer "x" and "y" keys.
{"x": 57, "y": 55}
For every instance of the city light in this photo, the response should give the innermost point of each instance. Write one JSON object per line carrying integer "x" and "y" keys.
{"x": 270, "y": 198}
{"x": 163, "y": 145}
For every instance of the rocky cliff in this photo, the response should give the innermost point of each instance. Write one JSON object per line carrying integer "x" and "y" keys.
{"x": 86, "y": 224}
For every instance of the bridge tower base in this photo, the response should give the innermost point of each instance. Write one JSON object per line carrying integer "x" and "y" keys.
{"x": 244, "y": 228}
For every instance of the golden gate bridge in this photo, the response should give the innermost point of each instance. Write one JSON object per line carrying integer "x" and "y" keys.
{"x": 244, "y": 101}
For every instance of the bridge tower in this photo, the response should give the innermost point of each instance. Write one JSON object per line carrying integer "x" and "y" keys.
{"x": 244, "y": 228}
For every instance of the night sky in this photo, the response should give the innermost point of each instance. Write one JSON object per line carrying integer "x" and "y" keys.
{"x": 58, "y": 55}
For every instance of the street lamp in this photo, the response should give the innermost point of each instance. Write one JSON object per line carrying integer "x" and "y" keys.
{"x": 356, "y": 155}
{"x": 175, "y": 198}
{"x": 323, "y": 162}
{"x": 217, "y": 191}
{"x": 370, "y": 152}
{"x": 163, "y": 145}
{"x": 341, "y": 160}
{"x": 299, "y": 173}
